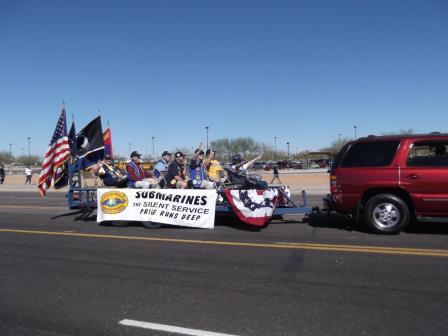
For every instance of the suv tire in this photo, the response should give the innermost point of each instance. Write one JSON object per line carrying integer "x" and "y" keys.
{"x": 386, "y": 213}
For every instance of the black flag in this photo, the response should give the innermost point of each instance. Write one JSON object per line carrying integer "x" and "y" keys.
{"x": 89, "y": 143}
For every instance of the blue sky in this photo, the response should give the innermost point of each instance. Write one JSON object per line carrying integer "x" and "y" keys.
{"x": 301, "y": 71}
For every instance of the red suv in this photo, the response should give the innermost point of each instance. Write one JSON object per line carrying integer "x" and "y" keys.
{"x": 389, "y": 180}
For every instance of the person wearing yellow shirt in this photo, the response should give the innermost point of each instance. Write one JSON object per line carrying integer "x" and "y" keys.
{"x": 212, "y": 165}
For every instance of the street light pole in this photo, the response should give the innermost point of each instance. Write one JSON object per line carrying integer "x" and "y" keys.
{"x": 288, "y": 149}
{"x": 153, "y": 157}
{"x": 275, "y": 148}
{"x": 206, "y": 131}
{"x": 29, "y": 151}
{"x": 355, "y": 131}
{"x": 10, "y": 150}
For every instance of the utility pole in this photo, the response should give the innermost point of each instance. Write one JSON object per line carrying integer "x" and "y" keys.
{"x": 29, "y": 151}
{"x": 153, "y": 157}
{"x": 275, "y": 148}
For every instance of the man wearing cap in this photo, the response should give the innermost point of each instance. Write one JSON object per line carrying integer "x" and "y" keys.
{"x": 198, "y": 173}
{"x": 136, "y": 174}
{"x": 162, "y": 165}
{"x": 176, "y": 176}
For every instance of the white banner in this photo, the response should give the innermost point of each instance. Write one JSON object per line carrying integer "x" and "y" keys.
{"x": 182, "y": 207}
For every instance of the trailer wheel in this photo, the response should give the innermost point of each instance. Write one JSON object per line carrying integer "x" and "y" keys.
{"x": 386, "y": 213}
{"x": 151, "y": 225}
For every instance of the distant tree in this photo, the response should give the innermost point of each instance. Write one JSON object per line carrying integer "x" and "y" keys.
{"x": 336, "y": 145}
{"x": 225, "y": 148}
{"x": 400, "y": 132}
{"x": 24, "y": 160}
{"x": 5, "y": 157}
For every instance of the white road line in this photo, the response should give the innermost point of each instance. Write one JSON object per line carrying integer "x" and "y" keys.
{"x": 170, "y": 329}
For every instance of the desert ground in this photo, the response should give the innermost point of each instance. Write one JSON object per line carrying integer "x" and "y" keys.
{"x": 297, "y": 180}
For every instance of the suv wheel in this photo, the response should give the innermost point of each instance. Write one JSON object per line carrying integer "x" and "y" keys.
{"x": 386, "y": 213}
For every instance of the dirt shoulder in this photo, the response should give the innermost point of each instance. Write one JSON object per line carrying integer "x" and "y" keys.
{"x": 297, "y": 181}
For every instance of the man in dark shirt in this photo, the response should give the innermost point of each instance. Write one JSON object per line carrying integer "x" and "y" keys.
{"x": 276, "y": 175}
{"x": 198, "y": 174}
{"x": 111, "y": 176}
{"x": 176, "y": 176}
{"x": 2, "y": 174}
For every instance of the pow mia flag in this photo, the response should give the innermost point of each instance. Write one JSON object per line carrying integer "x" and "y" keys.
{"x": 89, "y": 143}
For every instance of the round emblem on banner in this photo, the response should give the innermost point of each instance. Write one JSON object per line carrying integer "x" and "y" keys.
{"x": 113, "y": 202}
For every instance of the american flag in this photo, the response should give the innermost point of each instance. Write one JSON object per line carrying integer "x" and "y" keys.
{"x": 57, "y": 154}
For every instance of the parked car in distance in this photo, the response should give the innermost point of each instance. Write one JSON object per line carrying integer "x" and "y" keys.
{"x": 296, "y": 165}
{"x": 387, "y": 181}
{"x": 269, "y": 166}
{"x": 259, "y": 164}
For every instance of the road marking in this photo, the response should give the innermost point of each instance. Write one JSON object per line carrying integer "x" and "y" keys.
{"x": 170, "y": 329}
{"x": 278, "y": 245}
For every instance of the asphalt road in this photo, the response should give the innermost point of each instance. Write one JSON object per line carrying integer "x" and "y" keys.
{"x": 317, "y": 275}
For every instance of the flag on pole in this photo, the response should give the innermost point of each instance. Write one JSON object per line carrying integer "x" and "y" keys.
{"x": 89, "y": 142}
{"x": 107, "y": 140}
{"x": 72, "y": 140}
{"x": 56, "y": 155}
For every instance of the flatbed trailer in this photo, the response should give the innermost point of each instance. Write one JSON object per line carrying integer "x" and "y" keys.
{"x": 85, "y": 199}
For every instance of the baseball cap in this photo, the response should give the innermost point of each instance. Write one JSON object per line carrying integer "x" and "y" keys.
{"x": 178, "y": 154}
{"x": 237, "y": 158}
{"x": 135, "y": 153}
{"x": 166, "y": 153}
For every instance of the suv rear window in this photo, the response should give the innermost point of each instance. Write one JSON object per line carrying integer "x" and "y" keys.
{"x": 370, "y": 154}
{"x": 428, "y": 154}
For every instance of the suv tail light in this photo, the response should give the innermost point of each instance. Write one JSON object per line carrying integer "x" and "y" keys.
{"x": 333, "y": 184}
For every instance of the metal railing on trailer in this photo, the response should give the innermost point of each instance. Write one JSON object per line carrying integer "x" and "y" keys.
{"x": 79, "y": 196}
{"x": 84, "y": 198}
